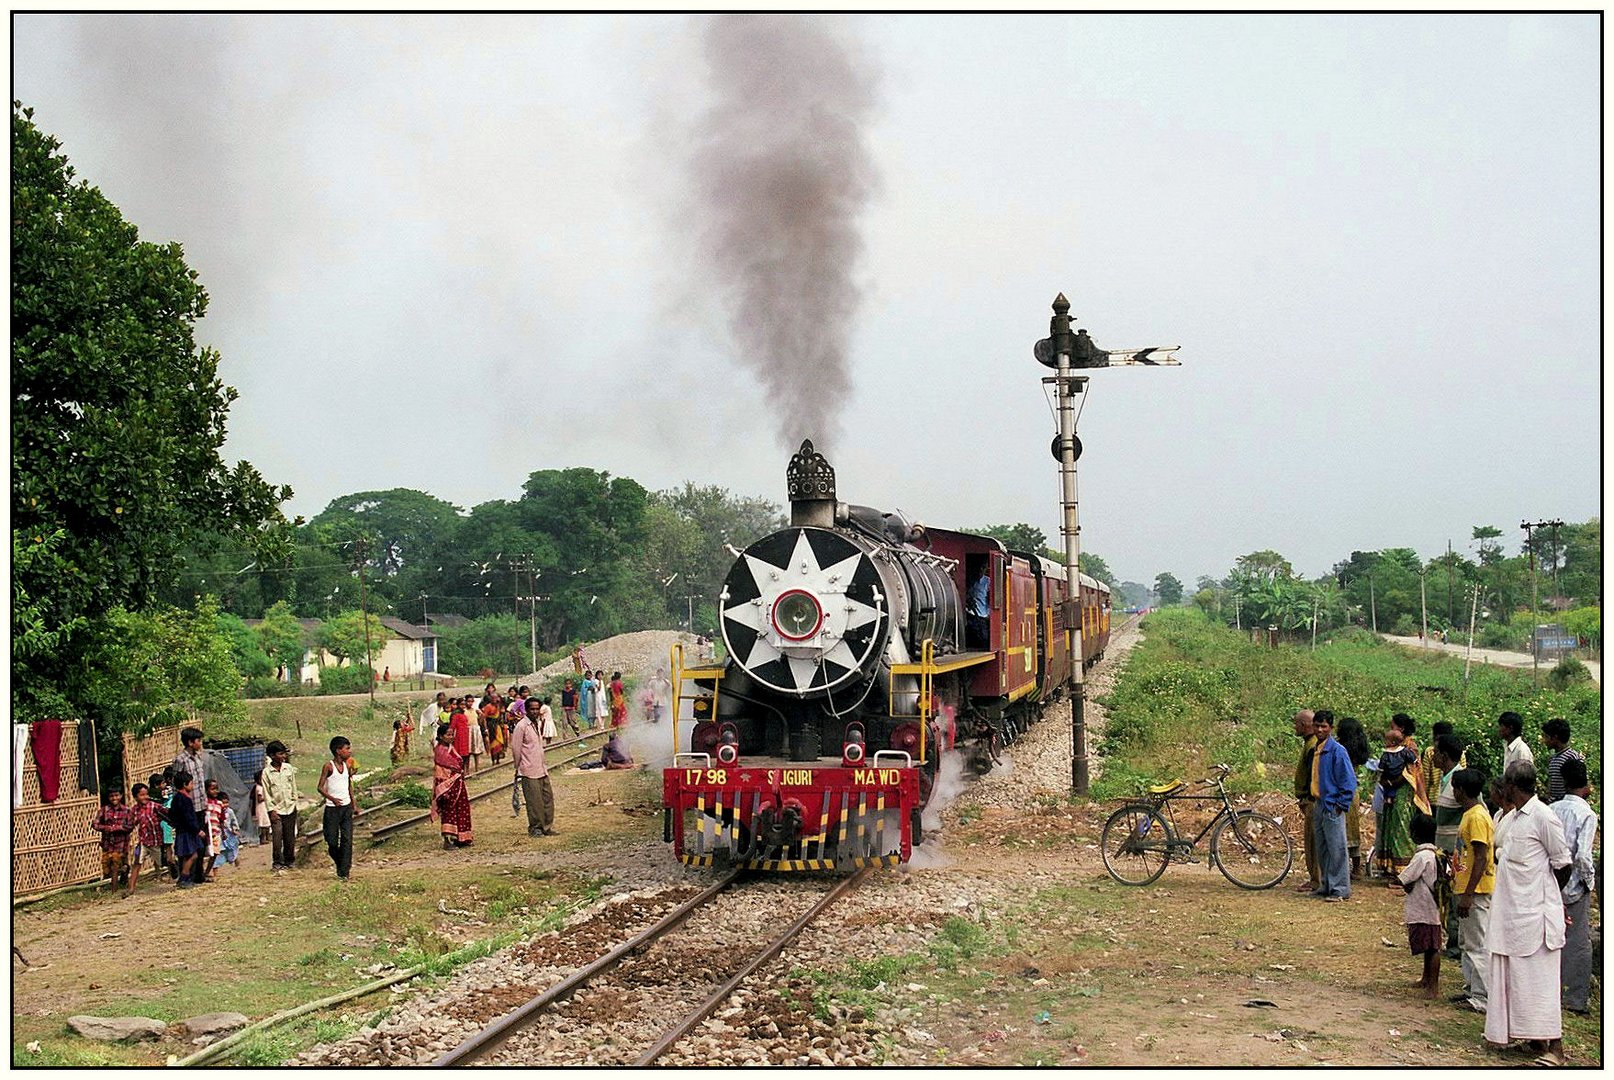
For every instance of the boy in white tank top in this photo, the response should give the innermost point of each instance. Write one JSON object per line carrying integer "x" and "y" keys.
{"x": 341, "y": 794}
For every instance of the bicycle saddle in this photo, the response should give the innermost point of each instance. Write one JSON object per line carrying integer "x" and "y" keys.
{"x": 1165, "y": 789}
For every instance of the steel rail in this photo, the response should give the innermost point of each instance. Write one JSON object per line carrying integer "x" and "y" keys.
{"x": 673, "y": 1034}
{"x": 501, "y": 1029}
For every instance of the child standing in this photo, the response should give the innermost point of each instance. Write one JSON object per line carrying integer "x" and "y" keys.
{"x": 1422, "y": 915}
{"x": 215, "y": 830}
{"x": 190, "y": 831}
{"x": 162, "y": 793}
{"x": 341, "y": 794}
{"x": 114, "y": 822}
{"x": 260, "y": 809}
{"x": 229, "y": 833}
{"x": 147, "y": 835}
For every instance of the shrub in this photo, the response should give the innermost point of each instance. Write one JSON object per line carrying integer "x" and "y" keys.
{"x": 353, "y": 679}
{"x": 1568, "y": 672}
{"x": 267, "y": 686}
{"x": 412, "y": 793}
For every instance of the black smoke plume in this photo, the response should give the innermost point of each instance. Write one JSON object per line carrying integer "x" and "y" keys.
{"x": 781, "y": 172}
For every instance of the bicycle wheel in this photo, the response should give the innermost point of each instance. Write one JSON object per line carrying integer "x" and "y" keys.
{"x": 1134, "y": 844}
{"x": 1252, "y": 850}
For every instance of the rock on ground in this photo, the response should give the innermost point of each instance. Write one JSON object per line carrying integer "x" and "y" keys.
{"x": 117, "y": 1028}
{"x": 212, "y": 1023}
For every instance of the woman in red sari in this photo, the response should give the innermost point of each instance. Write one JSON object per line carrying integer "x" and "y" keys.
{"x": 451, "y": 803}
{"x": 619, "y": 701}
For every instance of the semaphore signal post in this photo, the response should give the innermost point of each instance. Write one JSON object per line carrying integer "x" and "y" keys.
{"x": 1066, "y": 351}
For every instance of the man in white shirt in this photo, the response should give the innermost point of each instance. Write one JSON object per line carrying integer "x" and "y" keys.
{"x": 433, "y": 715}
{"x": 1510, "y": 725}
{"x": 1580, "y": 830}
{"x": 1526, "y": 935}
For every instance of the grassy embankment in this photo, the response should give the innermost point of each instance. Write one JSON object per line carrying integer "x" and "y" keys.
{"x": 1195, "y": 694}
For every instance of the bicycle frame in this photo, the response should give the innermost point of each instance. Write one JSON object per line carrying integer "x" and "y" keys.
{"x": 1158, "y": 804}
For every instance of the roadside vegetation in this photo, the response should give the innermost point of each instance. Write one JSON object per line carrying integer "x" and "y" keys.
{"x": 1196, "y": 693}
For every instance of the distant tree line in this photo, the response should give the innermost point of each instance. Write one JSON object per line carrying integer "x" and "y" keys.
{"x": 1393, "y": 587}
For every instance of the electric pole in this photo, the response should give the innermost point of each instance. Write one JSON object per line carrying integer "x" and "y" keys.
{"x": 364, "y": 617}
{"x": 1065, "y": 351}
{"x": 1529, "y": 528}
{"x": 1373, "y": 603}
{"x": 1423, "y": 602}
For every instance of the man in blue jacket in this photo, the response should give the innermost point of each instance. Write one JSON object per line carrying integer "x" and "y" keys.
{"x": 1333, "y": 785}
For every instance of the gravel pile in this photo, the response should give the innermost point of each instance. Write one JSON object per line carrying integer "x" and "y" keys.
{"x": 640, "y": 653}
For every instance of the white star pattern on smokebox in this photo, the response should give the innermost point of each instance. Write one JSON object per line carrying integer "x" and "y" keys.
{"x": 827, "y": 584}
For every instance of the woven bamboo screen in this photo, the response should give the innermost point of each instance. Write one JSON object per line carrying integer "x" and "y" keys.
{"x": 147, "y": 754}
{"x": 52, "y": 844}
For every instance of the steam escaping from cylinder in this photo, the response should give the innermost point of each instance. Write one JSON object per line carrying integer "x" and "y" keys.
{"x": 781, "y": 171}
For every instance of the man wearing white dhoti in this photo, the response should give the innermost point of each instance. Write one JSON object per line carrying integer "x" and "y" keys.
{"x": 1526, "y": 934}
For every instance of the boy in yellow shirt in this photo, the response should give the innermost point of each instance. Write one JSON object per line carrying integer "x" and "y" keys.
{"x": 1473, "y": 881}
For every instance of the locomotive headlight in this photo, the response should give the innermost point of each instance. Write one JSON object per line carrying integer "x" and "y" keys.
{"x": 797, "y": 615}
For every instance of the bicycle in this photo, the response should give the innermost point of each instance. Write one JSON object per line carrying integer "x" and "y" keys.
{"x": 1251, "y": 849}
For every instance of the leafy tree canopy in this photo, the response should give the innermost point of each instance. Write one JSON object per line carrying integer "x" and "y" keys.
{"x": 344, "y": 637}
{"x": 117, "y": 414}
{"x": 1169, "y": 589}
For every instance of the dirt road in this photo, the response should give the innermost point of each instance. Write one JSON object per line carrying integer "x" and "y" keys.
{"x": 1500, "y": 657}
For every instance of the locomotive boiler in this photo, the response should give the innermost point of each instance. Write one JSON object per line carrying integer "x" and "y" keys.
{"x": 861, "y": 649}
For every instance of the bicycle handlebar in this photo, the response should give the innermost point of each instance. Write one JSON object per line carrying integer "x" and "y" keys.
{"x": 1222, "y": 772}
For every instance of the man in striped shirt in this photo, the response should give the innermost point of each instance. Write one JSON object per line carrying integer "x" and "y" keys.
{"x": 1555, "y": 733}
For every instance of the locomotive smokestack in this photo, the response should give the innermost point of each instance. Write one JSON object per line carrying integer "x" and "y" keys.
{"x": 810, "y": 480}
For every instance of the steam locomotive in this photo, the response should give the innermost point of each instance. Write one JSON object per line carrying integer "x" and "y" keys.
{"x": 853, "y": 668}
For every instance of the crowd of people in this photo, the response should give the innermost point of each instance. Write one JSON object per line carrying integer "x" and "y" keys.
{"x": 1500, "y": 873}
{"x": 181, "y": 824}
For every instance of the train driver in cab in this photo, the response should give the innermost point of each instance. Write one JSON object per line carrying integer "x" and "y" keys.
{"x": 977, "y": 621}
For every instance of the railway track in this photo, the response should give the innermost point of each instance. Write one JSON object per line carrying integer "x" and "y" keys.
{"x": 684, "y": 955}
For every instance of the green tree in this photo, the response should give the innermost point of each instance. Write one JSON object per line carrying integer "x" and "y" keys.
{"x": 344, "y": 637}
{"x": 117, "y": 415}
{"x": 282, "y": 640}
{"x": 1169, "y": 589}
{"x": 1018, "y": 537}
{"x": 405, "y": 535}
{"x": 1094, "y": 567}
{"x": 1486, "y": 544}
{"x": 499, "y": 642}
{"x": 160, "y": 667}
{"x": 1265, "y": 565}
{"x": 246, "y": 651}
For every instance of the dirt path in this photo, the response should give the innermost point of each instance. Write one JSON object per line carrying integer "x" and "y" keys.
{"x": 1499, "y": 657}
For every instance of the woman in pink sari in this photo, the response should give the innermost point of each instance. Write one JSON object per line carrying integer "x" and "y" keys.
{"x": 451, "y": 803}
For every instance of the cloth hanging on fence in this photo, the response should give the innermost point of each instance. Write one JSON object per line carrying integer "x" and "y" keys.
{"x": 47, "y": 741}
{"x": 87, "y": 761}
{"x": 19, "y": 747}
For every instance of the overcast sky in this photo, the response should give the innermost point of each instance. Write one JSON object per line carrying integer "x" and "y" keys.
{"x": 444, "y": 252}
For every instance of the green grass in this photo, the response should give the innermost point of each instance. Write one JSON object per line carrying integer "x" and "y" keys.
{"x": 1195, "y": 693}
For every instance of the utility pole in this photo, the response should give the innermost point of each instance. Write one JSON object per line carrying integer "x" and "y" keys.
{"x": 1529, "y": 528}
{"x": 1065, "y": 351}
{"x": 364, "y": 617}
{"x": 1468, "y": 662}
{"x": 1373, "y": 603}
{"x": 1314, "y": 624}
{"x": 1451, "y": 616}
{"x": 1237, "y": 623}
{"x": 1423, "y": 602}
